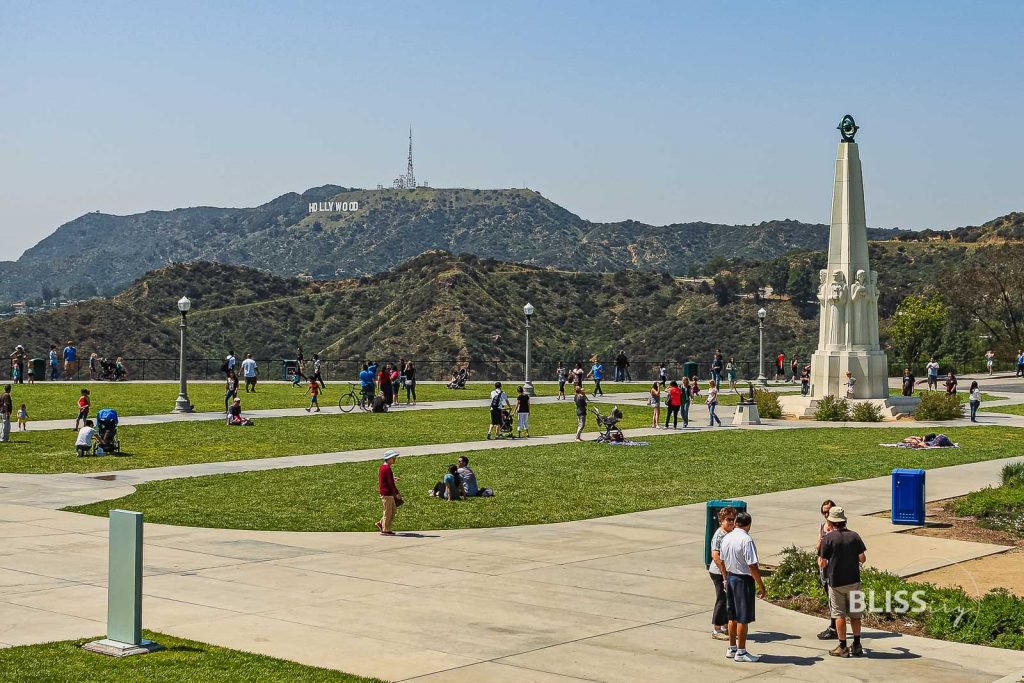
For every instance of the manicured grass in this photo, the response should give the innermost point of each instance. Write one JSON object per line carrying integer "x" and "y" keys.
{"x": 59, "y": 400}
{"x": 1017, "y": 409}
{"x": 551, "y": 483}
{"x": 1001, "y": 507}
{"x": 183, "y": 661}
{"x": 179, "y": 443}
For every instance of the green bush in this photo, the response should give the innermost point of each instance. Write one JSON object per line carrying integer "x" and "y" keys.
{"x": 995, "y": 508}
{"x": 939, "y": 406}
{"x": 796, "y": 575}
{"x": 768, "y": 404}
{"x": 866, "y": 412}
{"x": 1013, "y": 474}
{"x": 832, "y": 409}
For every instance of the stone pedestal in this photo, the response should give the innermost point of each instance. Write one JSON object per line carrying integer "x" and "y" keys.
{"x": 870, "y": 368}
{"x": 746, "y": 414}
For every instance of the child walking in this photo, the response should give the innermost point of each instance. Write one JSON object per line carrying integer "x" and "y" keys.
{"x": 523, "y": 413}
{"x": 314, "y": 392}
{"x": 83, "y": 408}
{"x": 22, "y": 418}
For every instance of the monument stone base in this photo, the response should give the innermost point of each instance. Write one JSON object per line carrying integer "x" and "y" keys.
{"x": 746, "y": 414}
{"x": 115, "y": 648}
{"x": 868, "y": 367}
{"x": 893, "y": 407}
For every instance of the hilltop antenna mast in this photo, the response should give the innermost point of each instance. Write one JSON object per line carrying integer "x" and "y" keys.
{"x": 410, "y": 177}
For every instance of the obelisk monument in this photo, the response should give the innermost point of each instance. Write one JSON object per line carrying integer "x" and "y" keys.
{"x": 848, "y": 291}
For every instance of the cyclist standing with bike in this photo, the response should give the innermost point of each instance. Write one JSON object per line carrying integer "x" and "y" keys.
{"x": 367, "y": 382}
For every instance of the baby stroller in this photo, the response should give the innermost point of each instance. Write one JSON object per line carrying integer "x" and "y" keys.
{"x": 610, "y": 425}
{"x": 459, "y": 379}
{"x": 107, "y": 370}
{"x": 505, "y": 428}
{"x": 106, "y": 429}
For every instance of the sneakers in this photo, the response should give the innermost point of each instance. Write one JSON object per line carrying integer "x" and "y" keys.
{"x": 828, "y": 634}
{"x": 746, "y": 657}
{"x": 730, "y": 653}
{"x": 720, "y": 634}
{"x": 380, "y": 526}
{"x": 857, "y": 650}
{"x": 839, "y": 651}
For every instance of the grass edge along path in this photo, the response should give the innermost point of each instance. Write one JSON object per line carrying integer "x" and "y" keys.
{"x": 550, "y": 483}
{"x": 183, "y": 661}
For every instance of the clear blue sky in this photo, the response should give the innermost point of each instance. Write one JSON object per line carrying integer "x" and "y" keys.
{"x": 662, "y": 112}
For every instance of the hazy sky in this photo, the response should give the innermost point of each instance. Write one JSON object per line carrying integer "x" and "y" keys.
{"x": 661, "y": 111}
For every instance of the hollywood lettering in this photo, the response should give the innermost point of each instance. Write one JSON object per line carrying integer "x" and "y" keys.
{"x": 333, "y": 207}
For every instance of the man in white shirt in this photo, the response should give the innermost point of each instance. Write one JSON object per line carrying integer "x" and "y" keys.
{"x": 933, "y": 374}
{"x": 499, "y": 400}
{"x": 249, "y": 373}
{"x": 85, "y": 437}
{"x": 739, "y": 555}
{"x": 230, "y": 361}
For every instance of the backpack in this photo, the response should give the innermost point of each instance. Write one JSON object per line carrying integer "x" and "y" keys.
{"x": 496, "y": 401}
{"x": 224, "y": 367}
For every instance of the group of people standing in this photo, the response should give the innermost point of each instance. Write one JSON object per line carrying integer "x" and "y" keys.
{"x": 678, "y": 398}
{"x": 381, "y": 385}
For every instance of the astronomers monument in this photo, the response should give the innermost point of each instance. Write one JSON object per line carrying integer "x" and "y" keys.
{"x": 848, "y": 301}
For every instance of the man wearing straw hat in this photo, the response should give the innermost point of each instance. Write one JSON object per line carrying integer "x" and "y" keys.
{"x": 840, "y": 554}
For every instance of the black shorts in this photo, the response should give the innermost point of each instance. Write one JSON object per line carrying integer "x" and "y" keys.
{"x": 496, "y": 417}
{"x": 740, "y": 598}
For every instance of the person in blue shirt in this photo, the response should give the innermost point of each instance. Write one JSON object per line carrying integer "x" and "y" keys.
{"x": 597, "y": 372}
{"x": 70, "y": 359}
{"x": 54, "y": 363}
{"x": 366, "y": 381}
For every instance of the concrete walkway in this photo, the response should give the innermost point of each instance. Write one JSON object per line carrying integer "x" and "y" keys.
{"x": 617, "y": 600}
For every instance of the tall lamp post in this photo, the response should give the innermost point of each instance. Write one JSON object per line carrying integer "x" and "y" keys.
{"x": 182, "y": 404}
{"x": 527, "y": 385}
{"x": 761, "y": 379}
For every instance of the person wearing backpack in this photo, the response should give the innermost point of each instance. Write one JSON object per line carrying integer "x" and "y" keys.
{"x": 499, "y": 400}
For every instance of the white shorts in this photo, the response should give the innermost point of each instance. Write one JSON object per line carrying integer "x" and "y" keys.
{"x": 523, "y": 422}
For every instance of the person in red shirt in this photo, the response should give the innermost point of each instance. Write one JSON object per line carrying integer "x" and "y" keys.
{"x": 390, "y": 498}
{"x": 83, "y": 407}
{"x": 780, "y": 367}
{"x": 675, "y": 400}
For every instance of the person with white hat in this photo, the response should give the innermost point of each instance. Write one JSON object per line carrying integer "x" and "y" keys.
{"x": 390, "y": 498}
{"x": 840, "y": 554}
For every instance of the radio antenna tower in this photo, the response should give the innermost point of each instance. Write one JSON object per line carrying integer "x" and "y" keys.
{"x": 410, "y": 177}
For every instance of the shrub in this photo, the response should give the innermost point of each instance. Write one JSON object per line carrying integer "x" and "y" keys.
{"x": 768, "y": 404}
{"x": 832, "y": 409}
{"x": 796, "y": 575}
{"x": 1013, "y": 474}
{"x": 866, "y": 412}
{"x": 939, "y": 406}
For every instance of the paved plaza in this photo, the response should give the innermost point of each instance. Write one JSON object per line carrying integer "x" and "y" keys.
{"x": 617, "y": 599}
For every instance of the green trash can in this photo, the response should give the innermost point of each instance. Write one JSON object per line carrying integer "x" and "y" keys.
{"x": 38, "y": 368}
{"x": 291, "y": 368}
{"x": 711, "y": 522}
{"x": 690, "y": 369}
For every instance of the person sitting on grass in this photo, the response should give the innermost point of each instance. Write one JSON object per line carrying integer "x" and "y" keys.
{"x": 380, "y": 405}
{"x": 449, "y": 488}
{"x": 83, "y": 444}
{"x": 235, "y": 418}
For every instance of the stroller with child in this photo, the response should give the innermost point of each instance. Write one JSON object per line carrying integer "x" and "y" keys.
{"x": 459, "y": 379}
{"x": 111, "y": 371}
{"x": 610, "y": 425}
{"x": 106, "y": 431}
{"x": 505, "y": 428}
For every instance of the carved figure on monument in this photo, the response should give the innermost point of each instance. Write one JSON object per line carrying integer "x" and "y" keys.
{"x": 872, "y": 292}
{"x": 837, "y": 298}
{"x": 859, "y": 315}
{"x": 822, "y": 305}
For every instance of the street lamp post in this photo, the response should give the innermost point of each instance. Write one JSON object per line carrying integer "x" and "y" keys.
{"x": 527, "y": 385}
{"x": 182, "y": 404}
{"x": 761, "y": 379}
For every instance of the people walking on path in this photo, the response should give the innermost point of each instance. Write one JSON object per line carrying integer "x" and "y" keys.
{"x": 685, "y": 399}
{"x": 499, "y": 400}
{"x": 975, "y": 401}
{"x": 933, "y": 374}
{"x": 94, "y": 360}
{"x": 662, "y": 375}
{"x": 314, "y": 392}
{"x": 850, "y": 382}
{"x": 410, "y": 383}
{"x": 83, "y": 407}
{"x": 390, "y": 498}
{"x": 780, "y": 367}
{"x": 522, "y": 412}
{"x": 675, "y": 401}
{"x": 840, "y": 555}
{"x": 70, "y": 360}
{"x": 730, "y": 373}
{"x": 990, "y": 361}
{"x": 230, "y": 389}
{"x": 717, "y": 571}
{"x": 654, "y": 401}
{"x": 230, "y": 362}
{"x": 318, "y": 370}
{"x": 597, "y": 373}
{"x": 739, "y": 555}
{"x": 823, "y": 528}
{"x": 580, "y": 399}
{"x": 563, "y": 375}
{"x": 577, "y": 375}
{"x": 249, "y": 373}
{"x": 54, "y": 359}
{"x": 794, "y": 370}
{"x": 717, "y": 366}
{"x": 712, "y": 402}
{"x": 6, "y": 408}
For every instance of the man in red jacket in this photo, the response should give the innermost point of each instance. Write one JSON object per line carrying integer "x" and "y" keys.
{"x": 389, "y": 495}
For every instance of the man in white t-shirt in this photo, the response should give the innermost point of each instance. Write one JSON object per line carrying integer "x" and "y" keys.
{"x": 933, "y": 374}
{"x": 499, "y": 400}
{"x": 249, "y": 373}
{"x": 85, "y": 437}
{"x": 739, "y": 555}
{"x": 230, "y": 361}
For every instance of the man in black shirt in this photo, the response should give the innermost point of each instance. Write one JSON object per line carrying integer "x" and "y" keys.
{"x": 620, "y": 366}
{"x": 840, "y": 555}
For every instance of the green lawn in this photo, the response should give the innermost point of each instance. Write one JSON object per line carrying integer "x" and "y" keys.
{"x": 183, "y": 661}
{"x": 1017, "y": 409}
{"x": 57, "y": 400}
{"x": 551, "y": 483}
{"x": 179, "y": 443}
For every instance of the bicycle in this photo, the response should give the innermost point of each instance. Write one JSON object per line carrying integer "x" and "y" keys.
{"x": 349, "y": 401}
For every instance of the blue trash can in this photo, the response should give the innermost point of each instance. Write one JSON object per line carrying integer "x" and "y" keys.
{"x": 711, "y": 521}
{"x": 908, "y": 496}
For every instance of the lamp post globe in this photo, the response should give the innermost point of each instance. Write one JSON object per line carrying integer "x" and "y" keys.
{"x": 761, "y": 315}
{"x": 527, "y": 385}
{"x": 182, "y": 404}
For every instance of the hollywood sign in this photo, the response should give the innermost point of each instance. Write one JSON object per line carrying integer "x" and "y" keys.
{"x": 333, "y": 207}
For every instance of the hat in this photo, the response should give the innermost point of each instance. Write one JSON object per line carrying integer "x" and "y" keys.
{"x": 390, "y": 454}
{"x": 837, "y": 514}
{"x": 237, "y": 400}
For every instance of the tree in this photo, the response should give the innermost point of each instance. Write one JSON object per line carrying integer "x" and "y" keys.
{"x": 989, "y": 286}
{"x": 776, "y": 274}
{"x": 917, "y": 326}
{"x": 725, "y": 287}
